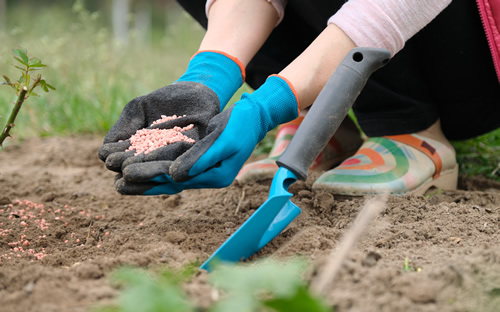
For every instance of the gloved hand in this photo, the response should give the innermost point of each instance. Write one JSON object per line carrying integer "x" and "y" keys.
{"x": 216, "y": 159}
{"x": 202, "y": 92}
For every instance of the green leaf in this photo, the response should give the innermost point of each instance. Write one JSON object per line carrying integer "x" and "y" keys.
{"x": 17, "y": 52}
{"x": 33, "y": 93}
{"x": 238, "y": 302}
{"x": 22, "y": 69}
{"x": 34, "y": 61}
{"x": 22, "y": 53}
{"x": 50, "y": 86}
{"x": 180, "y": 275}
{"x": 44, "y": 87}
{"x": 301, "y": 301}
{"x": 495, "y": 292}
{"x": 20, "y": 61}
{"x": 146, "y": 293}
{"x": 279, "y": 278}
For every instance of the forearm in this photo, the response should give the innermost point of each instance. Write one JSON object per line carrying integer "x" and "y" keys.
{"x": 310, "y": 71}
{"x": 239, "y": 27}
{"x": 384, "y": 24}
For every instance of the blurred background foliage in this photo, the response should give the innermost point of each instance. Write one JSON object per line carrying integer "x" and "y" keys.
{"x": 100, "y": 55}
{"x": 103, "y": 53}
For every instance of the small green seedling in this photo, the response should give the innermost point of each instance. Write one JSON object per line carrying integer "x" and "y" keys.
{"x": 24, "y": 87}
{"x": 408, "y": 266}
{"x": 432, "y": 192}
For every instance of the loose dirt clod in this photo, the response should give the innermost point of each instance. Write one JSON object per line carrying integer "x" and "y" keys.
{"x": 147, "y": 140}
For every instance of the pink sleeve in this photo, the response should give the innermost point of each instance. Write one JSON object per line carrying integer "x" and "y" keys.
{"x": 385, "y": 24}
{"x": 279, "y": 5}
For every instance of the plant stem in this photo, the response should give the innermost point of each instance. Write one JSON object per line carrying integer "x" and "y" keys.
{"x": 13, "y": 114}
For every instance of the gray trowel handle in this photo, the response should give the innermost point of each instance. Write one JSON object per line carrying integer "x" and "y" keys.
{"x": 330, "y": 108}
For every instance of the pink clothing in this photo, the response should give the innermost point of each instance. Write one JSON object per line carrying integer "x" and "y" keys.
{"x": 490, "y": 16}
{"x": 279, "y": 5}
{"x": 385, "y": 24}
{"x": 388, "y": 24}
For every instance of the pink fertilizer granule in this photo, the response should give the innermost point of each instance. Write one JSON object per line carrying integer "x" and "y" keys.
{"x": 147, "y": 140}
{"x": 165, "y": 119}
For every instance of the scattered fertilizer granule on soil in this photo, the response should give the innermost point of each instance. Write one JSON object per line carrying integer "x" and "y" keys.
{"x": 147, "y": 140}
{"x": 25, "y": 225}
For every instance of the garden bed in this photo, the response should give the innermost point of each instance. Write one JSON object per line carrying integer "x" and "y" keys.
{"x": 448, "y": 240}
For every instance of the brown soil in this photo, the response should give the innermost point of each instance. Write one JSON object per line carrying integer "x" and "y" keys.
{"x": 450, "y": 238}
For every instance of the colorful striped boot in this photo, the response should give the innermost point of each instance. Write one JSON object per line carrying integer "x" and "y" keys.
{"x": 398, "y": 165}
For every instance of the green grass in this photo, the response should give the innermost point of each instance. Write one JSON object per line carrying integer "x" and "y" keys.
{"x": 480, "y": 156}
{"x": 95, "y": 77}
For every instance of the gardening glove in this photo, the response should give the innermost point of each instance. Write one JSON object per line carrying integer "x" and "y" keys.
{"x": 215, "y": 160}
{"x": 202, "y": 92}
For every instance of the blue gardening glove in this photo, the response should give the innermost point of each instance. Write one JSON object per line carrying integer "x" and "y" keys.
{"x": 201, "y": 93}
{"x": 215, "y": 160}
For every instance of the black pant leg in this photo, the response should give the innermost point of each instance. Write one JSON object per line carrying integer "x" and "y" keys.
{"x": 445, "y": 71}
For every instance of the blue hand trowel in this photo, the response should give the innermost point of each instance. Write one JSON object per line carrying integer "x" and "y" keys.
{"x": 319, "y": 125}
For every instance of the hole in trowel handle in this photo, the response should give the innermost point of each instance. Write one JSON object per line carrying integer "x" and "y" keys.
{"x": 288, "y": 182}
{"x": 357, "y": 57}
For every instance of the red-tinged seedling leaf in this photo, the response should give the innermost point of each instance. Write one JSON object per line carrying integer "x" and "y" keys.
{"x": 7, "y": 79}
{"x": 14, "y": 85}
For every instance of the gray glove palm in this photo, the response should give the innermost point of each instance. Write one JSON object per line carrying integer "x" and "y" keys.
{"x": 198, "y": 102}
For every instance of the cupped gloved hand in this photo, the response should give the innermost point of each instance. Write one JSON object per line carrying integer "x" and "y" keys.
{"x": 201, "y": 93}
{"x": 215, "y": 160}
